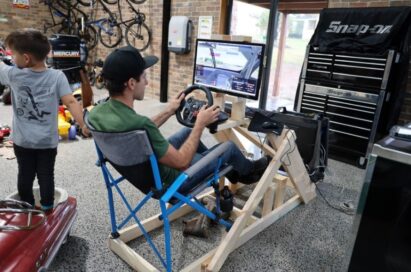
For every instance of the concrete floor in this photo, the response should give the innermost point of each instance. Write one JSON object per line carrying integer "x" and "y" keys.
{"x": 312, "y": 237}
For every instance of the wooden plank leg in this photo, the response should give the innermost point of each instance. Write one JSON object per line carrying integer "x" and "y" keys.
{"x": 268, "y": 200}
{"x": 279, "y": 192}
{"x": 202, "y": 263}
{"x": 149, "y": 224}
{"x": 295, "y": 168}
{"x": 252, "y": 138}
{"x": 231, "y": 239}
{"x": 128, "y": 255}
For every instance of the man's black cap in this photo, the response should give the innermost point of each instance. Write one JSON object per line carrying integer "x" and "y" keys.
{"x": 126, "y": 62}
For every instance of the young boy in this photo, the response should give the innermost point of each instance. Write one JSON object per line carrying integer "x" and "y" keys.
{"x": 36, "y": 91}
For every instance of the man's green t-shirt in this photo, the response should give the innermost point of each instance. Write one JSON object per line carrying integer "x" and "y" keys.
{"x": 115, "y": 116}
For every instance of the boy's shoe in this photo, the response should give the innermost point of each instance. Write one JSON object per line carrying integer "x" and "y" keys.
{"x": 47, "y": 209}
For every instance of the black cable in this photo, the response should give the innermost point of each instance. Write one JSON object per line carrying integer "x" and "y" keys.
{"x": 261, "y": 143}
{"x": 289, "y": 151}
{"x": 331, "y": 205}
{"x": 321, "y": 165}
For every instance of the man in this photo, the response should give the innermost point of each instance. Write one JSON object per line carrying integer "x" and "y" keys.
{"x": 125, "y": 77}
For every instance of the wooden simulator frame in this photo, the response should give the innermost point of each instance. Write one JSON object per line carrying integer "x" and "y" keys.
{"x": 270, "y": 191}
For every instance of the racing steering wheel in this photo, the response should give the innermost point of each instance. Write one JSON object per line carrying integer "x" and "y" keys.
{"x": 189, "y": 107}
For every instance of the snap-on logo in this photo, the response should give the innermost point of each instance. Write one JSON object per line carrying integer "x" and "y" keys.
{"x": 337, "y": 27}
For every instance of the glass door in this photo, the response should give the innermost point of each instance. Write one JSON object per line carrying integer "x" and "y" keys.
{"x": 295, "y": 31}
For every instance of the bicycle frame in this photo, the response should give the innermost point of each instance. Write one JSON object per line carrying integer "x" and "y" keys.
{"x": 100, "y": 22}
{"x": 66, "y": 17}
{"x": 136, "y": 12}
{"x": 112, "y": 20}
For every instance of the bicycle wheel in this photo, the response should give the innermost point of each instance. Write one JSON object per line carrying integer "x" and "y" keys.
{"x": 64, "y": 29}
{"x": 110, "y": 36}
{"x": 138, "y": 1}
{"x": 138, "y": 35}
{"x": 49, "y": 28}
{"x": 99, "y": 82}
{"x": 92, "y": 77}
{"x": 110, "y": 2}
{"x": 90, "y": 36}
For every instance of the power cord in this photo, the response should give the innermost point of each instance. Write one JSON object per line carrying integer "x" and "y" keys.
{"x": 261, "y": 142}
{"x": 289, "y": 151}
{"x": 316, "y": 176}
{"x": 345, "y": 207}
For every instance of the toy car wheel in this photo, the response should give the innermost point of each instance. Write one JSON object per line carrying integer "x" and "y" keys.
{"x": 72, "y": 133}
{"x": 67, "y": 238}
{"x": 2, "y": 87}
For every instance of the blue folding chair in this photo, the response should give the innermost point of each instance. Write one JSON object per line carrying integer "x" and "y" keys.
{"x": 131, "y": 154}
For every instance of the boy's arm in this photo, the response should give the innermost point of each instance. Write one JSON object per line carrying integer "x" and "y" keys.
{"x": 75, "y": 109}
{"x": 4, "y": 73}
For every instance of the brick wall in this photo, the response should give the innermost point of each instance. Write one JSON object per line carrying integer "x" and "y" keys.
{"x": 20, "y": 18}
{"x": 180, "y": 66}
{"x": 405, "y": 115}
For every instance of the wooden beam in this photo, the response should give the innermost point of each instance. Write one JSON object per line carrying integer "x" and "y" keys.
{"x": 294, "y": 166}
{"x": 252, "y": 138}
{"x": 268, "y": 200}
{"x": 200, "y": 264}
{"x": 302, "y": 7}
{"x": 228, "y": 243}
{"x": 292, "y": 6}
{"x": 280, "y": 56}
{"x": 132, "y": 232}
{"x": 279, "y": 192}
{"x": 245, "y": 225}
{"x": 223, "y": 16}
{"x": 132, "y": 258}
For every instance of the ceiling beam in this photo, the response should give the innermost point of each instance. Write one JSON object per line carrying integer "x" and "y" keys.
{"x": 292, "y": 6}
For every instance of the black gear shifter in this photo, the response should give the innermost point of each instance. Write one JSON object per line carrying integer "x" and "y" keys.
{"x": 222, "y": 117}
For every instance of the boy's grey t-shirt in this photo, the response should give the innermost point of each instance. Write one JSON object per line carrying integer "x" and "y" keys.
{"x": 35, "y": 99}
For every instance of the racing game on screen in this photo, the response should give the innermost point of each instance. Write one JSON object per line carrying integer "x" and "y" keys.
{"x": 229, "y": 67}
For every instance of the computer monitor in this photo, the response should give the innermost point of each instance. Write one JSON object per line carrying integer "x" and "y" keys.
{"x": 229, "y": 67}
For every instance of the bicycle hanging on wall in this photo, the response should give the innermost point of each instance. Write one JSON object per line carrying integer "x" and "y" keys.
{"x": 70, "y": 16}
{"x": 137, "y": 32}
{"x": 110, "y": 33}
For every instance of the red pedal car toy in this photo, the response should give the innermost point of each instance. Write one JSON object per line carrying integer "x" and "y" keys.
{"x": 29, "y": 238}
{"x": 5, "y": 130}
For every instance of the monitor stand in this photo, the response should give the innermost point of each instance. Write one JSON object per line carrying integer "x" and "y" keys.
{"x": 238, "y": 105}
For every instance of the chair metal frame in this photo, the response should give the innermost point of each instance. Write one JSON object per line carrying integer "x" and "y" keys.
{"x": 172, "y": 191}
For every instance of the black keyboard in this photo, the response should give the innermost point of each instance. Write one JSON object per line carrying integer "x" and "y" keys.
{"x": 249, "y": 111}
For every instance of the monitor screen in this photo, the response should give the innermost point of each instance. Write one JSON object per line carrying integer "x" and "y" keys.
{"x": 234, "y": 68}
